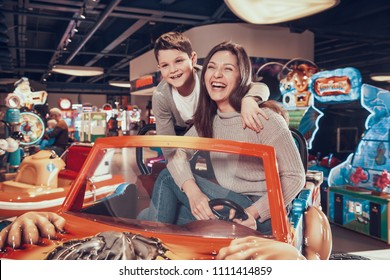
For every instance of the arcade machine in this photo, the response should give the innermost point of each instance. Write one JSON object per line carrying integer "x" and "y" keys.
{"x": 296, "y": 96}
{"x": 322, "y": 106}
{"x": 65, "y": 105}
{"x": 359, "y": 193}
{"x": 77, "y": 110}
{"x": 133, "y": 119}
{"x": 116, "y": 120}
{"x": 92, "y": 125}
{"x": 25, "y": 127}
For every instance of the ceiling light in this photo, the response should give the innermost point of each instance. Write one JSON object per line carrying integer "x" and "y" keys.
{"x": 83, "y": 13}
{"x": 380, "y": 77}
{"x": 125, "y": 84}
{"x": 275, "y": 11}
{"x": 78, "y": 70}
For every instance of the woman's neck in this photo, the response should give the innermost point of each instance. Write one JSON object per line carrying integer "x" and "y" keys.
{"x": 225, "y": 107}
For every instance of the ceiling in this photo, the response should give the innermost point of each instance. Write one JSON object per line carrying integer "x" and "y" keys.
{"x": 34, "y": 34}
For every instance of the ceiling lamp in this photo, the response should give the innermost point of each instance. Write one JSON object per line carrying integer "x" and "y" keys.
{"x": 275, "y": 11}
{"x": 380, "y": 77}
{"x": 78, "y": 70}
{"x": 124, "y": 84}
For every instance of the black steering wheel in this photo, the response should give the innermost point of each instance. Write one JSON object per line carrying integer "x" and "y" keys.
{"x": 240, "y": 212}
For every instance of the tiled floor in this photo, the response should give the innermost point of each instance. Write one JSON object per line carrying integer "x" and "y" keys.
{"x": 347, "y": 241}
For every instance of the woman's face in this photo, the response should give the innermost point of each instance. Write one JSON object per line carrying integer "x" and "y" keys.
{"x": 177, "y": 69}
{"x": 222, "y": 77}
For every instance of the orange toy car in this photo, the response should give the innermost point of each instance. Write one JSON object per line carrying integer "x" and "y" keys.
{"x": 107, "y": 227}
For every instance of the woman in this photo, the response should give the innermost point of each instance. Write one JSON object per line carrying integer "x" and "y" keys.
{"x": 225, "y": 78}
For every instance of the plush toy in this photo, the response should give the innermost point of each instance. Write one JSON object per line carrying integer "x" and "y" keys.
{"x": 358, "y": 176}
{"x": 383, "y": 182}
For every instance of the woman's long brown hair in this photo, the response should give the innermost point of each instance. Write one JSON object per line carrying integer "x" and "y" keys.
{"x": 207, "y": 108}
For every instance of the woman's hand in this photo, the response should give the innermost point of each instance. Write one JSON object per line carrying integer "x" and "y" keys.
{"x": 199, "y": 202}
{"x": 252, "y": 216}
{"x": 250, "y": 112}
{"x": 29, "y": 227}
{"x": 250, "y": 222}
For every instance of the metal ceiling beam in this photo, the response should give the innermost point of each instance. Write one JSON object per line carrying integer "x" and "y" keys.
{"x": 103, "y": 17}
{"x": 74, "y": 7}
{"x": 220, "y": 11}
{"x": 65, "y": 52}
{"x": 121, "y": 64}
{"x": 162, "y": 19}
{"x": 40, "y": 15}
{"x": 131, "y": 30}
{"x": 21, "y": 36}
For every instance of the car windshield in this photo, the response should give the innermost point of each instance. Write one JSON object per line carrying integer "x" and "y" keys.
{"x": 117, "y": 181}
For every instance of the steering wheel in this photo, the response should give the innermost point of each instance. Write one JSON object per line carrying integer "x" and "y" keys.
{"x": 240, "y": 212}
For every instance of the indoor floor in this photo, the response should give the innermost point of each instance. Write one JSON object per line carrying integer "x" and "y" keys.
{"x": 348, "y": 241}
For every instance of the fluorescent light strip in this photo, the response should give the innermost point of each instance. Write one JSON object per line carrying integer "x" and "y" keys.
{"x": 78, "y": 70}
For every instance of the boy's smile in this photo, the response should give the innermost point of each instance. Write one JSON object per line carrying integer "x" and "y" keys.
{"x": 176, "y": 68}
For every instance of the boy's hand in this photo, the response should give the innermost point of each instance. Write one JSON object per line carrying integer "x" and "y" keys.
{"x": 250, "y": 112}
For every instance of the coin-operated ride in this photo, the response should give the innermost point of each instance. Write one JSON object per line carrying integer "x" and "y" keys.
{"x": 44, "y": 179}
{"x": 25, "y": 127}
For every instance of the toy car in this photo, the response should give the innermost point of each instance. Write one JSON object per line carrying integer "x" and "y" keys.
{"x": 42, "y": 181}
{"x": 107, "y": 227}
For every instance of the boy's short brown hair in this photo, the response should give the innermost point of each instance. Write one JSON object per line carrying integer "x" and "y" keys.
{"x": 173, "y": 41}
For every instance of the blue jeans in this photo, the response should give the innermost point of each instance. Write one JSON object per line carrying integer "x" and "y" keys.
{"x": 170, "y": 205}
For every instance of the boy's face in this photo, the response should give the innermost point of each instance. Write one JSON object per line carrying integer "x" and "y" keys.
{"x": 176, "y": 67}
